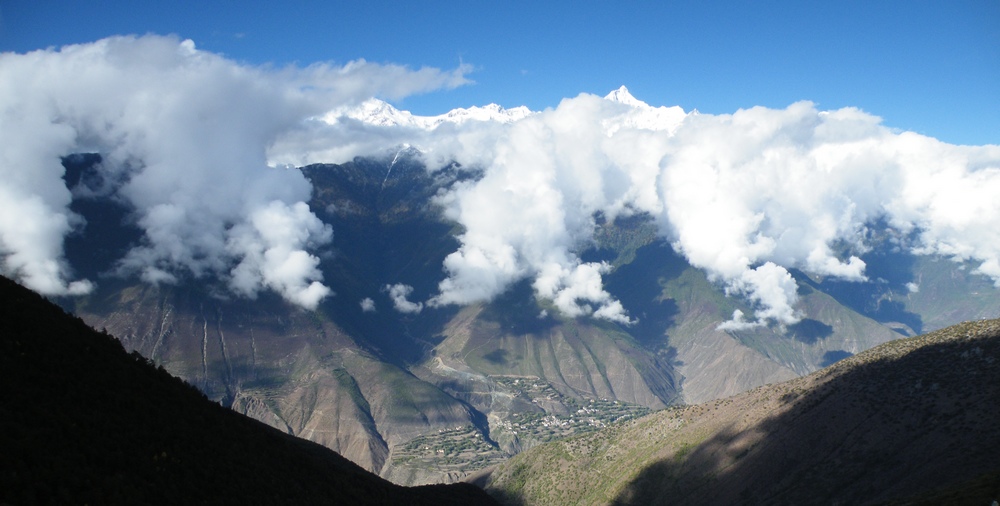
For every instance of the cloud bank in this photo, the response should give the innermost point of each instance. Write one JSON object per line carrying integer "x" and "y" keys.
{"x": 744, "y": 196}
{"x": 183, "y": 135}
{"x": 191, "y": 141}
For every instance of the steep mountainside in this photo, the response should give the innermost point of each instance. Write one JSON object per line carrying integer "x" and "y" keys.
{"x": 303, "y": 372}
{"x": 911, "y": 420}
{"x": 82, "y": 421}
{"x": 432, "y": 395}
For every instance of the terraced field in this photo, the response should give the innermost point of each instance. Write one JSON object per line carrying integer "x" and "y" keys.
{"x": 462, "y": 450}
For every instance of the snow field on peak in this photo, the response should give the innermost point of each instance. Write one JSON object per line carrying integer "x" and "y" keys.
{"x": 380, "y": 113}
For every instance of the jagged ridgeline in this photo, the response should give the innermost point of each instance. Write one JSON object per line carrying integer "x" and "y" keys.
{"x": 436, "y": 395}
{"x": 84, "y": 422}
{"x": 913, "y": 421}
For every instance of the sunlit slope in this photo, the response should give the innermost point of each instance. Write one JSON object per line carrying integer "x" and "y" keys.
{"x": 903, "y": 420}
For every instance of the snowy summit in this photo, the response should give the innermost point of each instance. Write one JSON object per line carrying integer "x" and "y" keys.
{"x": 642, "y": 115}
{"x": 622, "y": 96}
{"x": 380, "y": 113}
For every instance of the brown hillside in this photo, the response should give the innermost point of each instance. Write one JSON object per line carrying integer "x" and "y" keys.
{"x": 909, "y": 420}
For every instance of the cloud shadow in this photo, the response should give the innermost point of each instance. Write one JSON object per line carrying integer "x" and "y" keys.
{"x": 810, "y": 331}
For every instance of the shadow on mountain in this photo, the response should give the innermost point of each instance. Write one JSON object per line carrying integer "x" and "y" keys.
{"x": 517, "y": 312}
{"x": 909, "y": 429}
{"x": 888, "y": 273}
{"x": 833, "y": 356}
{"x": 108, "y": 232}
{"x": 638, "y": 286}
{"x": 386, "y": 231}
{"x": 506, "y": 497}
{"x": 810, "y": 331}
{"x": 497, "y": 357}
{"x": 82, "y": 421}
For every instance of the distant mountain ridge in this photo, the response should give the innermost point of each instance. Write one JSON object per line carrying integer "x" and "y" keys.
{"x": 380, "y": 113}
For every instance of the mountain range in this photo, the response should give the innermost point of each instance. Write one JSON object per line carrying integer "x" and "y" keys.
{"x": 379, "y": 113}
{"x": 911, "y": 421}
{"x": 421, "y": 394}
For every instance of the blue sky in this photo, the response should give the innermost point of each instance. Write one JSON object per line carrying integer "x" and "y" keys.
{"x": 930, "y": 67}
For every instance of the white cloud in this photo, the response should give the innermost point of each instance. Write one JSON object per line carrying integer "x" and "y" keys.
{"x": 368, "y": 305}
{"x": 399, "y": 293}
{"x": 272, "y": 247}
{"x": 739, "y": 322}
{"x": 771, "y": 288}
{"x": 744, "y": 196}
{"x": 360, "y": 80}
{"x": 533, "y": 210}
{"x": 184, "y": 134}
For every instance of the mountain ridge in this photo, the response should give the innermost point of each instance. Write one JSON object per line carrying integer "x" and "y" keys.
{"x": 906, "y": 420}
{"x": 380, "y": 113}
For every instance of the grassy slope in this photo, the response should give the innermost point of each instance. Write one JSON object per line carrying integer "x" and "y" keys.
{"x": 901, "y": 421}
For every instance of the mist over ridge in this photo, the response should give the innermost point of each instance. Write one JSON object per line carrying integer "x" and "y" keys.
{"x": 195, "y": 146}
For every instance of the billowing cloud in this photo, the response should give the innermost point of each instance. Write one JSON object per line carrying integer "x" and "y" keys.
{"x": 272, "y": 246}
{"x": 367, "y": 305}
{"x": 399, "y": 294}
{"x": 744, "y": 196}
{"x": 534, "y": 209}
{"x": 183, "y": 134}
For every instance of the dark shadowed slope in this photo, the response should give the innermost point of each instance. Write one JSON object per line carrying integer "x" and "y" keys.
{"x": 911, "y": 421}
{"x": 82, "y": 421}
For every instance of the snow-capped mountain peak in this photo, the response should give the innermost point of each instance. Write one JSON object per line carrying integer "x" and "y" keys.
{"x": 380, "y": 113}
{"x": 373, "y": 112}
{"x": 490, "y": 112}
{"x": 642, "y": 115}
{"x": 622, "y": 96}
{"x": 637, "y": 114}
